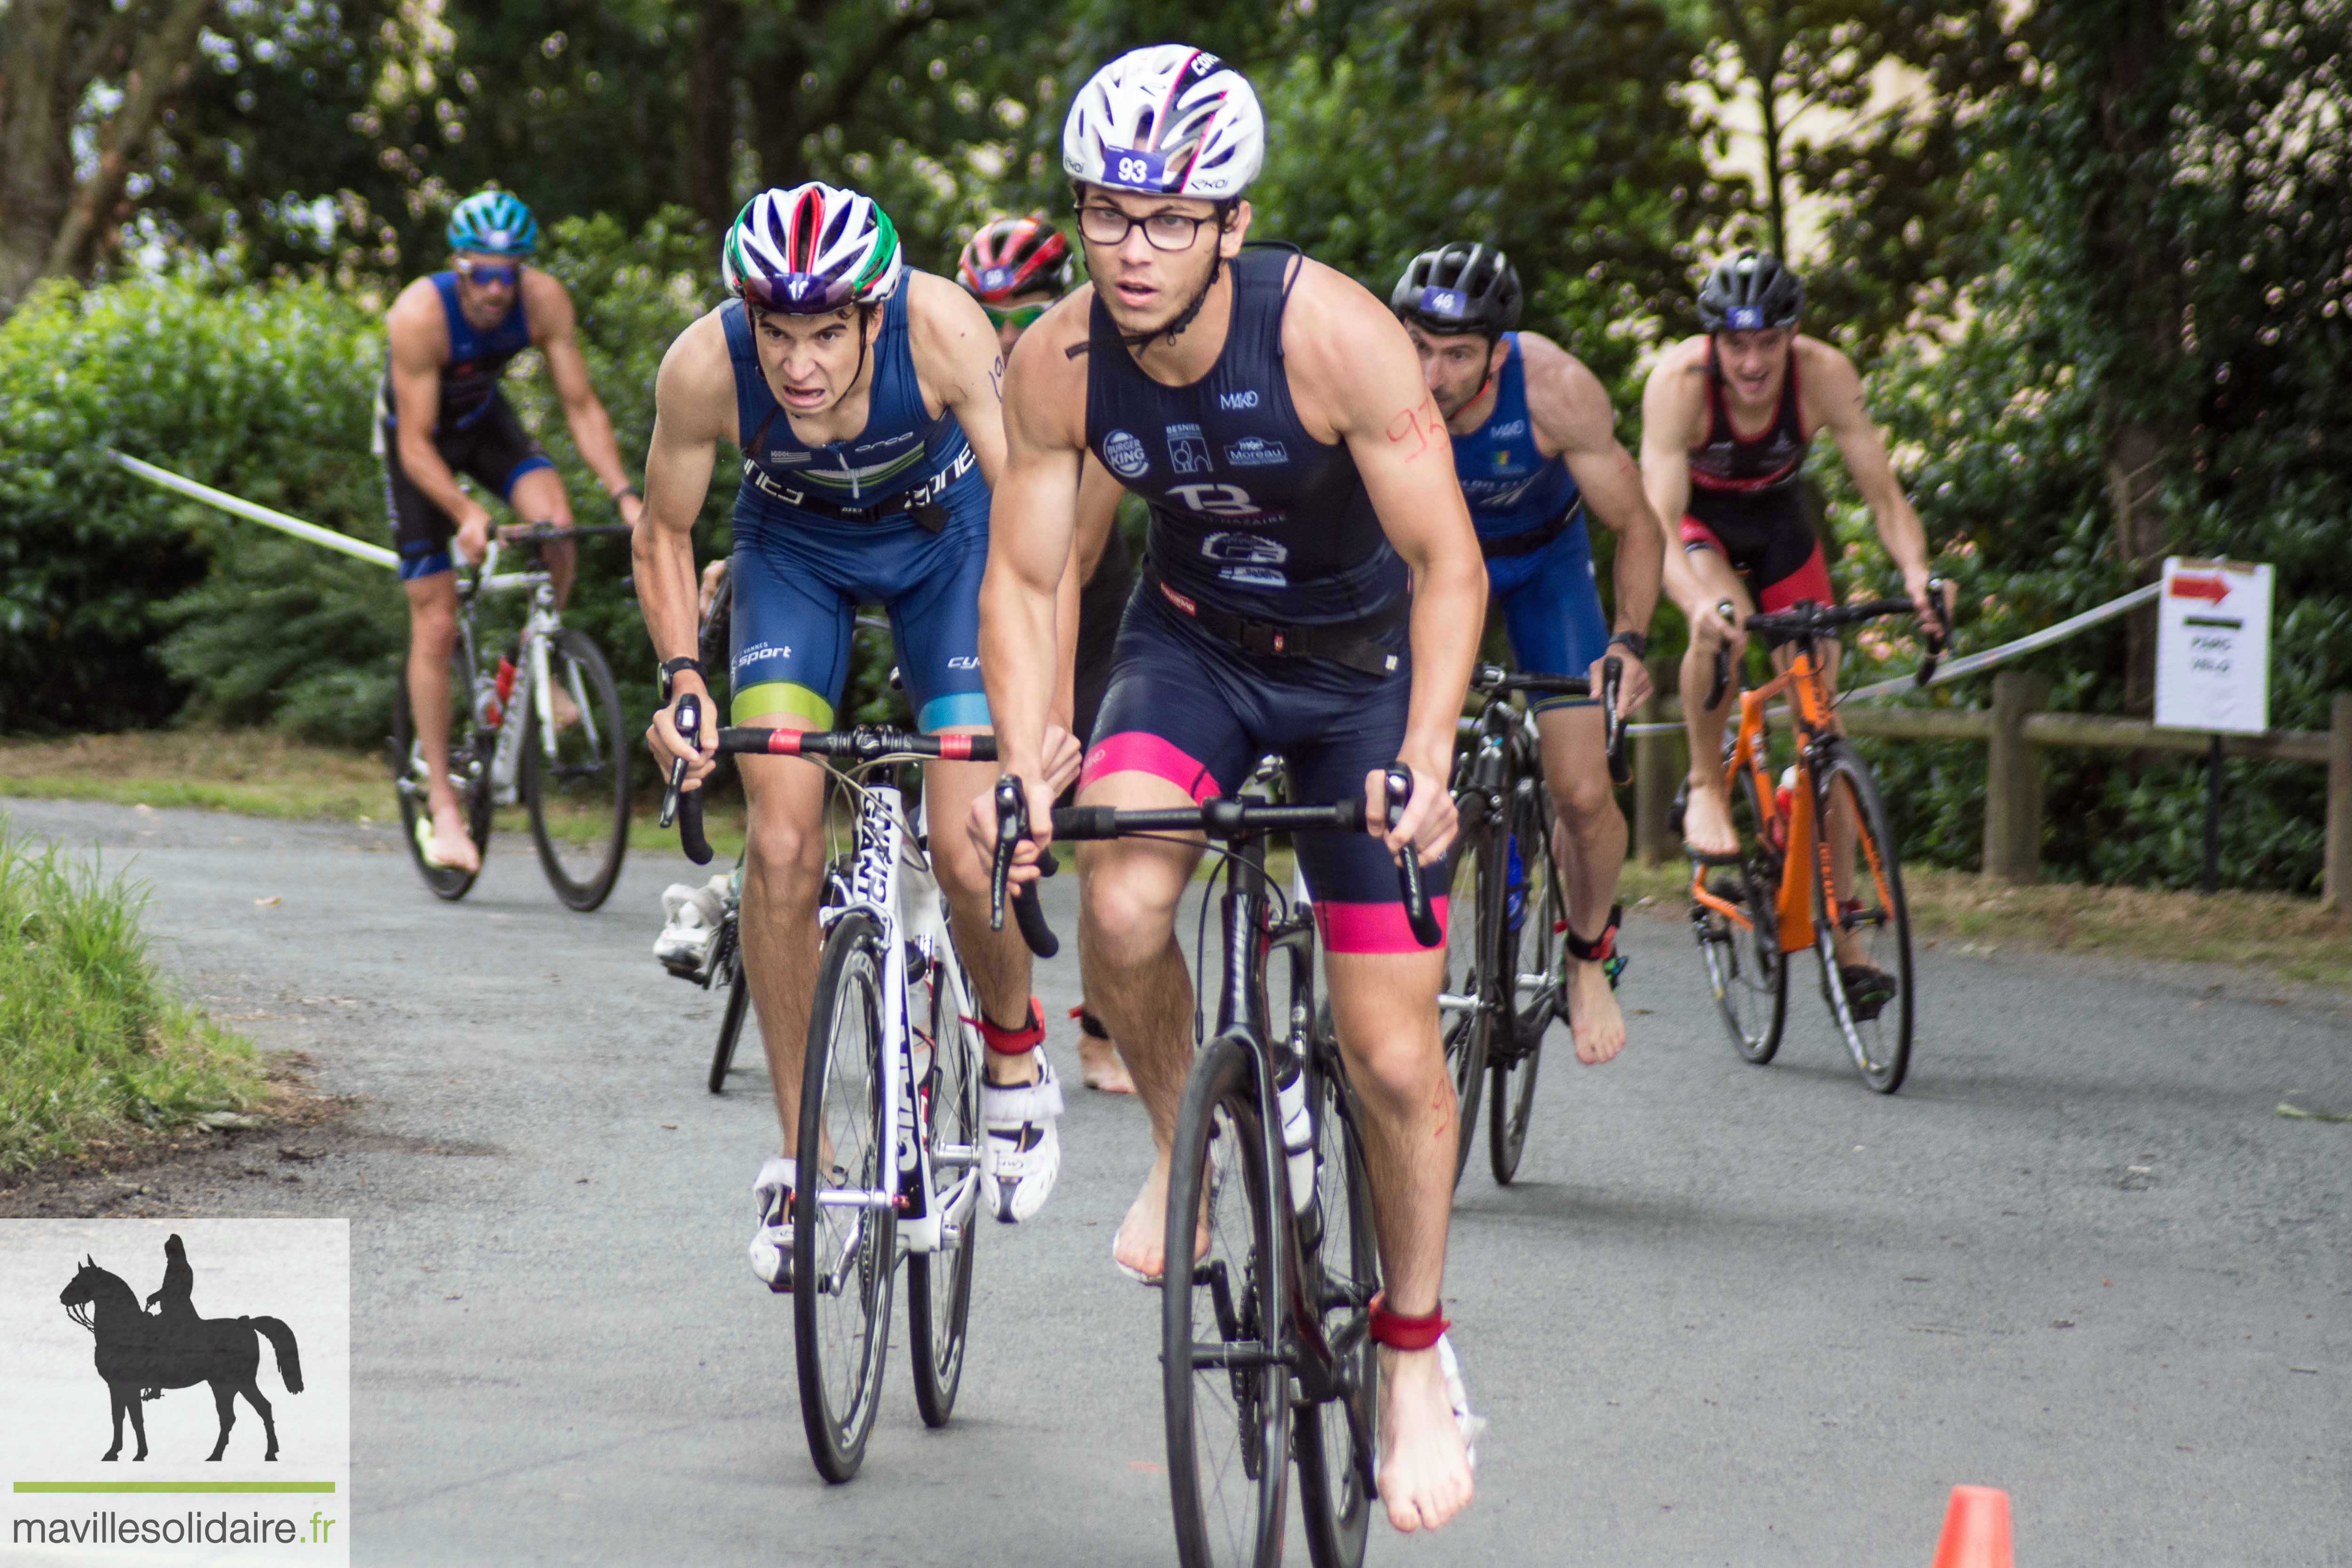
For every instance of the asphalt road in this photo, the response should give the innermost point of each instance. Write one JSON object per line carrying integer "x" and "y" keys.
{"x": 1727, "y": 1315}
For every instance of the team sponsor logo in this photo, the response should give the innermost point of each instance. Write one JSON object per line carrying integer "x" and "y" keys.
{"x": 1209, "y": 183}
{"x": 760, "y": 654}
{"x": 1233, "y": 399}
{"x": 1123, "y": 454}
{"x": 1203, "y": 64}
{"x": 1253, "y": 576}
{"x": 1256, "y": 452}
{"x": 1216, "y": 500}
{"x": 964, "y": 661}
{"x": 779, "y": 456}
{"x": 1245, "y": 550}
{"x": 898, "y": 440}
{"x": 1188, "y": 450}
{"x": 1505, "y": 431}
{"x": 796, "y": 286}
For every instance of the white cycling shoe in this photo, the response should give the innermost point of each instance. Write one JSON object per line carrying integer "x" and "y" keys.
{"x": 772, "y": 1244}
{"x": 1022, "y": 1152}
{"x": 691, "y": 916}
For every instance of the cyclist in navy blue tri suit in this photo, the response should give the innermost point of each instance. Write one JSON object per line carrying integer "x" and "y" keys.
{"x": 1536, "y": 446}
{"x": 1312, "y": 587}
{"x": 441, "y": 415}
{"x": 863, "y": 398}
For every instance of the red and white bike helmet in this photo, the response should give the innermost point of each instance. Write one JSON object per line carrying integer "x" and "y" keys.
{"x": 1167, "y": 121}
{"x": 1012, "y": 257}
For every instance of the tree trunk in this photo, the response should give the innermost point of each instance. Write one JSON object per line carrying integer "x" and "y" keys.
{"x": 2135, "y": 449}
{"x": 710, "y": 112}
{"x": 159, "y": 69}
{"x": 38, "y": 97}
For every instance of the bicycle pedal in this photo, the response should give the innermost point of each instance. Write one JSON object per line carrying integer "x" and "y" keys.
{"x": 1731, "y": 890}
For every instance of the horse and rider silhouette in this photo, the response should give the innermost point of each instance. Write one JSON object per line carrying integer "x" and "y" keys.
{"x": 140, "y": 1355}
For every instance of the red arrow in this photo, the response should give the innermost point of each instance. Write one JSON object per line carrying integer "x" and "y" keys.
{"x": 2211, "y": 588}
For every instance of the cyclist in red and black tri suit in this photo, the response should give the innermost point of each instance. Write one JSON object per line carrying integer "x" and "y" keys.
{"x": 1313, "y": 588}
{"x": 1726, "y": 421}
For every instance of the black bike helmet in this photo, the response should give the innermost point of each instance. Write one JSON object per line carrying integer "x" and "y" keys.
{"x": 1460, "y": 288}
{"x": 1748, "y": 292}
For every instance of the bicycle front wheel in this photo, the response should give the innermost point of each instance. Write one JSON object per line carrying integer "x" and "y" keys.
{"x": 1333, "y": 1440}
{"x": 578, "y": 787}
{"x": 1531, "y": 946}
{"x": 726, "y": 967}
{"x": 1465, "y": 1008}
{"x": 411, "y": 777}
{"x": 845, "y": 1241}
{"x": 1863, "y": 940}
{"x": 938, "y": 1284}
{"x": 1745, "y": 966}
{"x": 1226, "y": 1390}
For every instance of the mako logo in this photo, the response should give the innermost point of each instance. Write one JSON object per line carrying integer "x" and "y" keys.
{"x": 1505, "y": 431}
{"x": 1216, "y": 500}
{"x": 1234, "y": 400}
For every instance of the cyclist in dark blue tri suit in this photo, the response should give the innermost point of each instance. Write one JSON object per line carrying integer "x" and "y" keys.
{"x": 441, "y": 415}
{"x": 1536, "y": 446}
{"x": 1312, "y": 587}
{"x": 862, "y": 396}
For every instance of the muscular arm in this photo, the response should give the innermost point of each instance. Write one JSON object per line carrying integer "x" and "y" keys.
{"x": 1833, "y": 389}
{"x": 553, "y": 329}
{"x": 956, "y": 360}
{"x": 420, "y": 346}
{"x": 1672, "y": 401}
{"x": 1098, "y": 496}
{"x": 1569, "y": 410}
{"x": 694, "y": 406}
{"x": 1351, "y": 361}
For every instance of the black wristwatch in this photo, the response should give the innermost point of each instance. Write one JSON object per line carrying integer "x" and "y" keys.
{"x": 624, "y": 493}
{"x": 670, "y": 667}
{"x": 1636, "y": 642}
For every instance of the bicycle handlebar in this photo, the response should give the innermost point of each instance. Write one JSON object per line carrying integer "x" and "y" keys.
{"x": 543, "y": 533}
{"x": 1496, "y": 680}
{"x": 1222, "y": 818}
{"x": 1808, "y": 618}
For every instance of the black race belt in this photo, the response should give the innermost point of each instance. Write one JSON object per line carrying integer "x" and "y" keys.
{"x": 1530, "y": 541}
{"x": 1355, "y": 643}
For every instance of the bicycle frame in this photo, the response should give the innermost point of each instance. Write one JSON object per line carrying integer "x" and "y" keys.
{"x": 1800, "y": 836}
{"x": 533, "y": 684}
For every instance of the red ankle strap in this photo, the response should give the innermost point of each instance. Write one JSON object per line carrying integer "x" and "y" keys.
{"x": 1602, "y": 948}
{"x": 1014, "y": 1041}
{"x": 1398, "y": 1331}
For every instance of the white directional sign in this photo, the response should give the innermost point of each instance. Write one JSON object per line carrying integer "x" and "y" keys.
{"x": 2213, "y": 647}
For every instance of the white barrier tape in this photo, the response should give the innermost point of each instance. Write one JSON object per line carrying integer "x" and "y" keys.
{"x": 1974, "y": 664}
{"x": 374, "y": 555}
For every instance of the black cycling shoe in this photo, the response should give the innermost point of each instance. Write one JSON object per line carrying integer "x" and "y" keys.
{"x": 1868, "y": 990}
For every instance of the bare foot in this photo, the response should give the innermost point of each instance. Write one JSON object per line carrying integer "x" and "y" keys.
{"x": 1593, "y": 1016}
{"x": 1099, "y": 1066}
{"x": 1141, "y": 1250}
{"x": 1706, "y": 820}
{"x": 452, "y": 846}
{"x": 1425, "y": 1475}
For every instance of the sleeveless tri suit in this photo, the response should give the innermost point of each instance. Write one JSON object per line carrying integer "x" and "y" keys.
{"x": 1746, "y": 503}
{"x": 1530, "y": 523}
{"x": 897, "y": 515}
{"x": 474, "y": 429}
{"x": 1271, "y": 612}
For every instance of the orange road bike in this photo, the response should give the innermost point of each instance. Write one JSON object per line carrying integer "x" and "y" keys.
{"x": 1816, "y": 866}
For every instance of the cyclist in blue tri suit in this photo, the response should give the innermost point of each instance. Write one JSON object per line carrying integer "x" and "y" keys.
{"x": 440, "y": 414}
{"x": 862, "y": 396}
{"x": 1536, "y": 446}
{"x": 1313, "y": 587}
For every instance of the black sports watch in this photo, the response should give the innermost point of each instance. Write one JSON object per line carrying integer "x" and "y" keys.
{"x": 670, "y": 667}
{"x": 1636, "y": 642}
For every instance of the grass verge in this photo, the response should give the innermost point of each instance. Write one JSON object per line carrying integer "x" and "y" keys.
{"x": 2269, "y": 935}
{"x": 95, "y": 1045}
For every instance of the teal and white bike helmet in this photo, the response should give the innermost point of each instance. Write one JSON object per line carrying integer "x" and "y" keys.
{"x": 492, "y": 223}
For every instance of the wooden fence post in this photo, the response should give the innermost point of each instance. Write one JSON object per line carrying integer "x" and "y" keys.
{"x": 1657, "y": 771}
{"x": 2012, "y": 830}
{"x": 2337, "y": 858}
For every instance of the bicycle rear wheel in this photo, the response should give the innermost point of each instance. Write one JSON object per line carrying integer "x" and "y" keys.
{"x": 1226, "y": 1393}
{"x": 1466, "y": 1018}
{"x": 726, "y": 967}
{"x": 938, "y": 1284}
{"x": 579, "y": 797}
{"x": 1745, "y": 966}
{"x": 1334, "y": 1439}
{"x": 1876, "y": 924}
{"x": 1532, "y": 947}
{"x": 844, "y": 1254}
{"x": 468, "y": 774}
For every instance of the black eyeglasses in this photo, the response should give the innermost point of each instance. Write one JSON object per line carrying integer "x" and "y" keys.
{"x": 1109, "y": 226}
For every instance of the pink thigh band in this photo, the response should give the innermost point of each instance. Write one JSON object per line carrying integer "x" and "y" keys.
{"x": 1140, "y": 751}
{"x": 1370, "y": 928}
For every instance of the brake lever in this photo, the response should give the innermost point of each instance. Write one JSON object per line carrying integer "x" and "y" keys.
{"x": 1612, "y": 724}
{"x": 1731, "y": 613}
{"x": 679, "y": 803}
{"x": 1397, "y": 784}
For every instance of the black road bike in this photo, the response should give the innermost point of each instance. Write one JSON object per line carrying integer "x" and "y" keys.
{"x": 1266, "y": 1360}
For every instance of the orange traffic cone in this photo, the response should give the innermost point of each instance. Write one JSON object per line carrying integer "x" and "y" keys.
{"x": 1976, "y": 1530}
